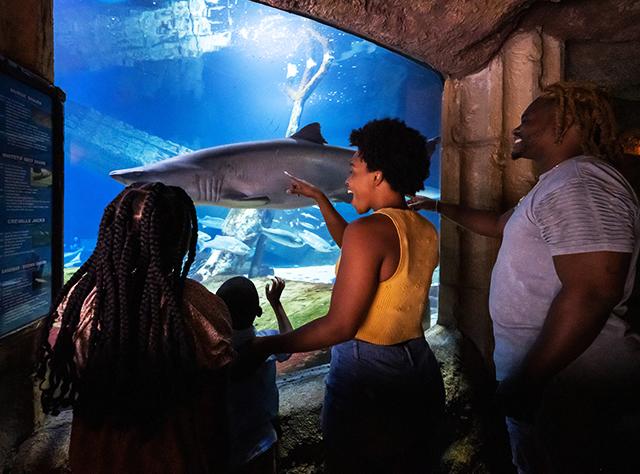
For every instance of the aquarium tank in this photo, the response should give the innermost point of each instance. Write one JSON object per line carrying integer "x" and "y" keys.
{"x": 148, "y": 80}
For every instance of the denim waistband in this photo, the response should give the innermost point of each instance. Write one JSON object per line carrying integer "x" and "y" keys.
{"x": 410, "y": 350}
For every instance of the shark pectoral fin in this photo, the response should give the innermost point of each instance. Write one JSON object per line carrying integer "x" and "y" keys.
{"x": 256, "y": 200}
{"x": 242, "y": 200}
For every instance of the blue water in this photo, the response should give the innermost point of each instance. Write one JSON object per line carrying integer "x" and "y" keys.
{"x": 141, "y": 78}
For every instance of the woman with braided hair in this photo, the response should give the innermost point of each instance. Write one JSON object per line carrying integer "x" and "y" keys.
{"x": 141, "y": 350}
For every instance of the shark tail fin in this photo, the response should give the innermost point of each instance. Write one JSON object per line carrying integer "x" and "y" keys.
{"x": 310, "y": 133}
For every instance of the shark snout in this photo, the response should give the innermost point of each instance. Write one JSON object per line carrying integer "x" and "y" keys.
{"x": 128, "y": 176}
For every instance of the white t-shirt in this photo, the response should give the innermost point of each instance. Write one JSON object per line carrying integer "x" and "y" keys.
{"x": 581, "y": 205}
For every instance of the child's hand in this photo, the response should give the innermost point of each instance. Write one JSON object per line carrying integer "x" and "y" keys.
{"x": 274, "y": 291}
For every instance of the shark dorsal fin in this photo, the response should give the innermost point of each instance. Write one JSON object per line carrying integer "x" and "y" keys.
{"x": 310, "y": 133}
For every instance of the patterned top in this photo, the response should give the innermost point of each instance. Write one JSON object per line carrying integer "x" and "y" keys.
{"x": 194, "y": 438}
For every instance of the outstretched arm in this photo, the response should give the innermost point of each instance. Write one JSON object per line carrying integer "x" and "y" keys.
{"x": 353, "y": 292}
{"x": 335, "y": 222}
{"x": 273, "y": 294}
{"x": 488, "y": 223}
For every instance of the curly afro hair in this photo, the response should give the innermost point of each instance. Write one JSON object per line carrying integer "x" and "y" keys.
{"x": 402, "y": 153}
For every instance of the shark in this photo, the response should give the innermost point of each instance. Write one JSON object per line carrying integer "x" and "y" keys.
{"x": 252, "y": 174}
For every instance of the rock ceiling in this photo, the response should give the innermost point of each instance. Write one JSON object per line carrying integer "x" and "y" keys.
{"x": 458, "y": 37}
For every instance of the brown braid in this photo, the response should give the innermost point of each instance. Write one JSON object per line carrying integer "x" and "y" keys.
{"x": 141, "y": 357}
{"x": 587, "y": 106}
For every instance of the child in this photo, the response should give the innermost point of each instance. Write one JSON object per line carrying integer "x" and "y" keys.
{"x": 253, "y": 398}
{"x": 140, "y": 351}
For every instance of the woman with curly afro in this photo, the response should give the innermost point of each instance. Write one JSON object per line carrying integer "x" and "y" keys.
{"x": 384, "y": 392}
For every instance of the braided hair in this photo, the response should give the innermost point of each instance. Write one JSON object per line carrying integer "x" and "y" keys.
{"x": 140, "y": 360}
{"x": 587, "y": 106}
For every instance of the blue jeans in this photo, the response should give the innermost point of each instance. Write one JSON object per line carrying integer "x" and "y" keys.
{"x": 382, "y": 408}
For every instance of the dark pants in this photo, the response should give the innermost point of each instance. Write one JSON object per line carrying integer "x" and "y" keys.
{"x": 383, "y": 407}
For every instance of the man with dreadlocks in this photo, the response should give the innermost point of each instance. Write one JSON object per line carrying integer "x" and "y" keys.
{"x": 141, "y": 350}
{"x": 567, "y": 363}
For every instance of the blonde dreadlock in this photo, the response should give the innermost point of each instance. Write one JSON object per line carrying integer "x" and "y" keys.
{"x": 587, "y": 106}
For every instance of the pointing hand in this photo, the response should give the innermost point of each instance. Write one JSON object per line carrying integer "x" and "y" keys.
{"x": 300, "y": 187}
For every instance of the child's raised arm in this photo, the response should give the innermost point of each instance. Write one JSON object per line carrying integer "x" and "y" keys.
{"x": 273, "y": 293}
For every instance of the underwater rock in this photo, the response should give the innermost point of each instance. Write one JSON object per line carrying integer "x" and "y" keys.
{"x": 181, "y": 29}
{"x": 243, "y": 225}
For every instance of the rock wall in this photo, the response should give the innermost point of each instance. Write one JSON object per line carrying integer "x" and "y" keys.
{"x": 478, "y": 115}
{"x": 459, "y": 38}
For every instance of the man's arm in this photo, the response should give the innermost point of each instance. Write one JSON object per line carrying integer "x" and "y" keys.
{"x": 487, "y": 223}
{"x": 592, "y": 285}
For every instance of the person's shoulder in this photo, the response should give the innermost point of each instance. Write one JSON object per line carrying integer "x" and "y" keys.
{"x": 592, "y": 168}
{"x": 370, "y": 226}
{"x": 198, "y": 296}
{"x": 195, "y": 288}
{"x": 421, "y": 221}
{"x": 578, "y": 171}
{"x": 600, "y": 178}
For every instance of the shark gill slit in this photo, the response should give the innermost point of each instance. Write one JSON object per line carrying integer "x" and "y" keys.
{"x": 209, "y": 190}
{"x": 198, "y": 186}
{"x": 220, "y": 181}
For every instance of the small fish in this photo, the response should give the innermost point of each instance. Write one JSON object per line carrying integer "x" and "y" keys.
{"x": 227, "y": 243}
{"x": 203, "y": 236}
{"x": 283, "y": 237}
{"x": 211, "y": 222}
{"x": 309, "y": 216}
{"x": 316, "y": 242}
{"x": 307, "y": 225}
{"x": 73, "y": 253}
{"x": 74, "y": 262}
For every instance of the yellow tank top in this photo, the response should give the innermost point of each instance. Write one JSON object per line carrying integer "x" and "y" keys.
{"x": 399, "y": 304}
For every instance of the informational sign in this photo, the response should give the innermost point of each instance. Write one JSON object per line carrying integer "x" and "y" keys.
{"x": 30, "y": 196}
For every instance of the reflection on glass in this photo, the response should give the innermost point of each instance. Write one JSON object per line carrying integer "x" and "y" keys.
{"x": 148, "y": 80}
